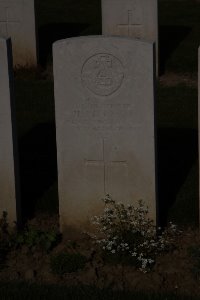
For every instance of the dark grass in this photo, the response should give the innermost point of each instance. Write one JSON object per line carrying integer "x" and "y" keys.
{"x": 177, "y": 154}
{"x": 177, "y": 106}
{"x": 34, "y": 103}
{"x": 179, "y": 27}
{"x": 177, "y": 164}
{"x": 67, "y": 19}
{"x": 80, "y": 11}
{"x": 25, "y": 291}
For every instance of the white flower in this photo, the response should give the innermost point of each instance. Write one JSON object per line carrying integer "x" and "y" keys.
{"x": 143, "y": 270}
{"x": 118, "y": 218}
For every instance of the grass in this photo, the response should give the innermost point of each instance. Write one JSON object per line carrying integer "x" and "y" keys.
{"x": 34, "y": 103}
{"x": 80, "y": 11}
{"x": 179, "y": 34}
{"x": 25, "y": 291}
{"x": 177, "y": 106}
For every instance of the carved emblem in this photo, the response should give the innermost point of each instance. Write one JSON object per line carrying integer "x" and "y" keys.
{"x": 102, "y": 74}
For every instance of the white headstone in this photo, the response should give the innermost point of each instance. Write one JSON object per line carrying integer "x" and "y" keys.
{"x": 132, "y": 18}
{"x": 7, "y": 147}
{"x": 104, "y": 100}
{"x": 17, "y": 20}
{"x": 199, "y": 120}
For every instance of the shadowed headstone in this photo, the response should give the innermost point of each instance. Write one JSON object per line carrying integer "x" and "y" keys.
{"x": 131, "y": 18}
{"x": 8, "y": 163}
{"x": 199, "y": 118}
{"x": 104, "y": 99}
{"x": 17, "y": 20}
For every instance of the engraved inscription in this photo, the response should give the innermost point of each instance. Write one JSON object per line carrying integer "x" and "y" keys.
{"x": 106, "y": 164}
{"x": 131, "y": 27}
{"x": 102, "y": 116}
{"x": 102, "y": 74}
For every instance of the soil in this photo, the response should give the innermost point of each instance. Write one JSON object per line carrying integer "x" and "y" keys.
{"x": 173, "y": 79}
{"x": 172, "y": 272}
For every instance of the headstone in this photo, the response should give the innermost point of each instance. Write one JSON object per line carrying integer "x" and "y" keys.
{"x": 199, "y": 120}
{"x": 17, "y": 20}
{"x": 8, "y": 166}
{"x": 132, "y": 18}
{"x": 104, "y": 100}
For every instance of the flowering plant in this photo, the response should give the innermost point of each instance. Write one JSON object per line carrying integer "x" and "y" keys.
{"x": 127, "y": 232}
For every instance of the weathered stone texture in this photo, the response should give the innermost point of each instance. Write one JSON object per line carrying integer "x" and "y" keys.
{"x": 104, "y": 99}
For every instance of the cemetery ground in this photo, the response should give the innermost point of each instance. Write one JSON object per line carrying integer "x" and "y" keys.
{"x": 176, "y": 274}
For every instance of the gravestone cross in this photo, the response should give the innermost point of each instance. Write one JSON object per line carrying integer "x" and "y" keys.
{"x": 131, "y": 25}
{"x": 105, "y": 163}
{"x": 17, "y": 21}
{"x": 133, "y": 18}
{"x": 7, "y": 20}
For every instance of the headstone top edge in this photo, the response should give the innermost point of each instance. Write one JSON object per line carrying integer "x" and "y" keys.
{"x": 102, "y": 37}
{"x": 5, "y": 39}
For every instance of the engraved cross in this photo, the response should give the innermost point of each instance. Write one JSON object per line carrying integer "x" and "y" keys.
{"x": 7, "y": 21}
{"x": 106, "y": 164}
{"x": 130, "y": 25}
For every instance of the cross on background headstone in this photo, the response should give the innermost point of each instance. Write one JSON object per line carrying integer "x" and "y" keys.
{"x": 17, "y": 20}
{"x": 106, "y": 164}
{"x": 133, "y": 18}
{"x": 130, "y": 25}
{"x": 7, "y": 21}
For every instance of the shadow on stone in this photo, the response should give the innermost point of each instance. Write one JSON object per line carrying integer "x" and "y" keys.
{"x": 177, "y": 153}
{"x": 38, "y": 166}
{"x": 169, "y": 39}
{"x": 50, "y": 33}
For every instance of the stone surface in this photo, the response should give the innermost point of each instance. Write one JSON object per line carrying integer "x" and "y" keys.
{"x": 199, "y": 119}
{"x": 104, "y": 100}
{"x": 7, "y": 145}
{"x": 132, "y": 18}
{"x": 17, "y": 20}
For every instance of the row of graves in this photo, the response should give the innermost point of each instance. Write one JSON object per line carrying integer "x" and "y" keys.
{"x": 104, "y": 89}
{"x": 132, "y": 18}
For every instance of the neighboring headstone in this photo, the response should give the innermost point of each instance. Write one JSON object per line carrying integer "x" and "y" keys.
{"x": 199, "y": 120}
{"x": 17, "y": 20}
{"x": 104, "y": 101}
{"x": 132, "y": 18}
{"x": 8, "y": 166}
